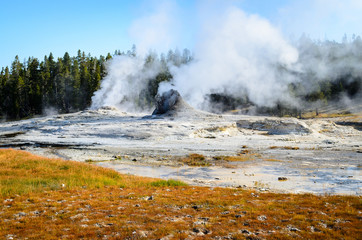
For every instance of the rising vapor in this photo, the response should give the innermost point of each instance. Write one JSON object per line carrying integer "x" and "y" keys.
{"x": 242, "y": 54}
{"x": 238, "y": 55}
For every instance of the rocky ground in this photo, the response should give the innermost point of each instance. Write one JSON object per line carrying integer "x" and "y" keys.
{"x": 286, "y": 154}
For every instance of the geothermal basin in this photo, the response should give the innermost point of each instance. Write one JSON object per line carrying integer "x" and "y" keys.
{"x": 321, "y": 156}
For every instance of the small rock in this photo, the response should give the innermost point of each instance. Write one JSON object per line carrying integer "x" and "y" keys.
{"x": 196, "y": 230}
{"x": 205, "y": 219}
{"x": 244, "y": 231}
{"x": 36, "y": 212}
{"x": 21, "y": 214}
{"x": 238, "y": 216}
{"x": 293, "y": 229}
{"x": 314, "y": 229}
{"x": 10, "y": 236}
{"x": 137, "y": 205}
{"x": 262, "y": 218}
{"x": 327, "y": 141}
{"x": 80, "y": 215}
{"x": 134, "y": 160}
{"x": 196, "y": 207}
{"x": 143, "y": 234}
{"x": 282, "y": 179}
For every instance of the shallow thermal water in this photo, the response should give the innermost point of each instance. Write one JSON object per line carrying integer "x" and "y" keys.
{"x": 263, "y": 176}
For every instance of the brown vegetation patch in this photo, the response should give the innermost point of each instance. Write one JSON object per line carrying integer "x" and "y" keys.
{"x": 239, "y": 158}
{"x": 140, "y": 210}
{"x": 195, "y": 160}
{"x": 284, "y": 147}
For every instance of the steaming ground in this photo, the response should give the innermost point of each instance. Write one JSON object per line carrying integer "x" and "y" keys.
{"x": 328, "y": 159}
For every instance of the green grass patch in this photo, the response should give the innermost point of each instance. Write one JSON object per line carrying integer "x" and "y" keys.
{"x": 167, "y": 183}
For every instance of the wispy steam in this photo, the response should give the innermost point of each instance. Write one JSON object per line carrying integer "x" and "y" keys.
{"x": 156, "y": 31}
{"x": 126, "y": 79}
{"x": 237, "y": 55}
{"x": 242, "y": 54}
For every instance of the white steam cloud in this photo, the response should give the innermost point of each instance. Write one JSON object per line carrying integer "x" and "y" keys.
{"x": 126, "y": 79}
{"x": 242, "y": 54}
{"x": 157, "y": 31}
{"x": 238, "y": 55}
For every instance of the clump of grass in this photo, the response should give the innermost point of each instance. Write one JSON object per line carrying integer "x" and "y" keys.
{"x": 284, "y": 147}
{"x": 312, "y": 114}
{"x": 196, "y": 160}
{"x": 291, "y": 148}
{"x": 273, "y": 160}
{"x": 245, "y": 151}
{"x": 167, "y": 183}
{"x": 243, "y": 157}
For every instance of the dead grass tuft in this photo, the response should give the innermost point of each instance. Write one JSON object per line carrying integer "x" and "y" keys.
{"x": 284, "y": 147}
{"x": 239, "y": 158}
{"x": 195, "y": 160}
{"x": 273, "y": 160}
{"x": 312, "y": 114}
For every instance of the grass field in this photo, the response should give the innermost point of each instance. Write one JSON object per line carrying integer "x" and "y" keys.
{"x": 55, "y": 199}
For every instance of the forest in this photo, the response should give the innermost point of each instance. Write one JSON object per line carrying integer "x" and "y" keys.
{"x": 67, "y": 84}
{"x": 60, "y": 85}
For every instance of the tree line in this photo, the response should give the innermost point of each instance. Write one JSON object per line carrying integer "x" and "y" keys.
{"x": 67, "y": 84}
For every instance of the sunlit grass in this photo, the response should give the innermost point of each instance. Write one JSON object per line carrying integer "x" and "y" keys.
{"x": 22, "y": 172}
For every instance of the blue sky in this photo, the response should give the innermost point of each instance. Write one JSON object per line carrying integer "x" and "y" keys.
{"x": 37, "y": 27}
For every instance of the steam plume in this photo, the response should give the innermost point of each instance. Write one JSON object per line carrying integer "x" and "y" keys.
{"x": 244, "y": 54}
{"x": 238, "y": 55}
{"x": 126, "y": 79}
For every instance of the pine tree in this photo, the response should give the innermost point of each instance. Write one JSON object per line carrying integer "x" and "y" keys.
{"x": 14, "y": 88}
{"x": 34, "y": 87}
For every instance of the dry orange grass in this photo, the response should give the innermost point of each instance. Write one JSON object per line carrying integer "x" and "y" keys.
{"x": 239, "y": 158}
{"x": 195, "y": 160}
{"x": 284, "y": 147}
{"x": 140, "y": 210}
{"x": 312, "y": 114}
